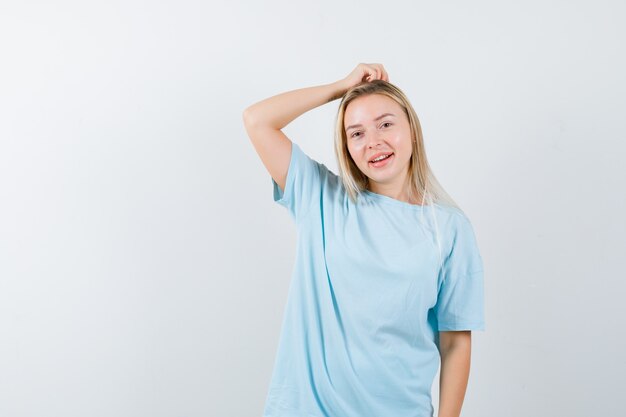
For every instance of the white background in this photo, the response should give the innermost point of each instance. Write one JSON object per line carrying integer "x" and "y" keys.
{"x": 144, "y": 266}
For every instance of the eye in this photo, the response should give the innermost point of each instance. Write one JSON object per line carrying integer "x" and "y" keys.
{"x": 353, "y": 135}
{"x": 386, "y": 123}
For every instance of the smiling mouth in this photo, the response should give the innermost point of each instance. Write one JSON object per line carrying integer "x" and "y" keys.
{"x": 382, "y": 161}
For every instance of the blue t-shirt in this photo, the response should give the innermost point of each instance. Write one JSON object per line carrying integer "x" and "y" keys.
{"x": 372, "y": 285}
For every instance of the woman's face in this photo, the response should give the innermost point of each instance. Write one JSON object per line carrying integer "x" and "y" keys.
{"x": 376, "y": 124}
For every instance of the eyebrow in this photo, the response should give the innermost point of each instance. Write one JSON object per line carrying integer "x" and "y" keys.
{"x": 376, "y": 119}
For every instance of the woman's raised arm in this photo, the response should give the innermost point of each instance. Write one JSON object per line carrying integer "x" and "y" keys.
{"x": 264, "y": 120}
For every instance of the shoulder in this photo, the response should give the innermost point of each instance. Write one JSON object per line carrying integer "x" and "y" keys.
{"x": 454, "y": 226}
{"x": 452, "y": 218}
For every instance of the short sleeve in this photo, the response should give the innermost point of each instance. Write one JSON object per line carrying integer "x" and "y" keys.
{"x": 303, "y": 184}
{"x": 460, "y": 300}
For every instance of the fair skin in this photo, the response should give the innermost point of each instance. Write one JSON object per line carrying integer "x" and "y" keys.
{"x": 376, "y": 123}
{"x": 264, "y": 122}
{"x": 455, "y": 350}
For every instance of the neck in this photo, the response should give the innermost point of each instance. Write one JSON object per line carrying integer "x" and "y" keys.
{"x": 394, "y": 191}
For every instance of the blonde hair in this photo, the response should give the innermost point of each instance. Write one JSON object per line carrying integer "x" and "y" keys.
{"x": 421, "y": 180}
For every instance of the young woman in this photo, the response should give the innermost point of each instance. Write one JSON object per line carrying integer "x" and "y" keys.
{"x": 388, "y": 279}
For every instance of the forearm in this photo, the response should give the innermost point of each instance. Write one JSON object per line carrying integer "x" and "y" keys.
{"x": 454, "y": 375}
{"x": 278, "y": 111}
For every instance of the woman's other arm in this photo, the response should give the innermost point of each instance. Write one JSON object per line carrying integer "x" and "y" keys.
{"x": 455, "y": 351}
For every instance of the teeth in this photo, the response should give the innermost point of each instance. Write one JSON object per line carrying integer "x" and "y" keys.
{"x": 380, "y": 158}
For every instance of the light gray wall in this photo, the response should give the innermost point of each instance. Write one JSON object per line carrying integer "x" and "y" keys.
{"x": 144, "y": 266}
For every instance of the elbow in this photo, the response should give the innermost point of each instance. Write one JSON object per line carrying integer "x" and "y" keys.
{"x": 251, "y": 117}
{"x": 247, "y": 116}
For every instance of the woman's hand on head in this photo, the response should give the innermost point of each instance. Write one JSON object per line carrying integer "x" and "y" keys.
{"x": 365, "y": 72}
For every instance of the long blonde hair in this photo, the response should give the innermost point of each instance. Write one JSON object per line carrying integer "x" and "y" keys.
{"x": 421, "y": 180}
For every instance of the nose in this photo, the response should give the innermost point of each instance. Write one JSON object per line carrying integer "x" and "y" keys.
{"x": 375, "y": 139}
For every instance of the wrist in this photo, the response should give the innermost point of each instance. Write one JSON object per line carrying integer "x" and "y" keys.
{"x": 339, "y": 88}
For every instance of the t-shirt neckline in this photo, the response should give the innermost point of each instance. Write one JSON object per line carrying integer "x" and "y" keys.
{"x": 393, "y": 201}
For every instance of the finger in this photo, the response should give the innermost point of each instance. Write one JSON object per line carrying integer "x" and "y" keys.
{"x": 380, "y": 72}
{"x": 385, "y": 75}
{"x": 376, "y": 71}
{"x": 371, "y": 72}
